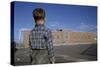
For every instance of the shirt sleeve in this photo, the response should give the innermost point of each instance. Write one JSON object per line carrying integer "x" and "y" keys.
{"x": 50, "y": 45}
{"x": 30, "y": 41}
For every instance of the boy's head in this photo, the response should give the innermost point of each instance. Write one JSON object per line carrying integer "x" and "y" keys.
{"x": 39, "y": 16}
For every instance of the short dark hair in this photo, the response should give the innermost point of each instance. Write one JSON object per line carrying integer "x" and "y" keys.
{"x": 38, "y": 13}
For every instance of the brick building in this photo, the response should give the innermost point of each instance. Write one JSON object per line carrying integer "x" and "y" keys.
{"x": 65, "y": 37}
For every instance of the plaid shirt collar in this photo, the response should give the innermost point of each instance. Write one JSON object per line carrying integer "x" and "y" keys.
{"x": 39, "y": 27}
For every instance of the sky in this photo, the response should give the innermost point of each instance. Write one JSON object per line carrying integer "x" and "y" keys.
{"x": 58, "y": 16}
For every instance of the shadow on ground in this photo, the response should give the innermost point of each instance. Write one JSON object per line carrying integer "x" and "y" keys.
{"x": 76, "y": 53}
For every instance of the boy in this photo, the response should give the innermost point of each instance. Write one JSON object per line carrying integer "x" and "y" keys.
{"x": 40, "y": 40}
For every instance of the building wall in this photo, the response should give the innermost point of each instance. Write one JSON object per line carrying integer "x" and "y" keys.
{"x": 65, "y": 37}
{"x": 58, "y": 37}
{"x": 25, "y": 39}
{"x": 81, "y": 37}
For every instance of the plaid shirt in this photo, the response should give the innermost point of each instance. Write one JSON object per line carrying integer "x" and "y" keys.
{"x": 41, "y": 38}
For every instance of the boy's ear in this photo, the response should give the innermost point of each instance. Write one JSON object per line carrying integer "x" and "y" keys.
{"x": 44, "y": 19}
{"x": 34, "y": 21}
